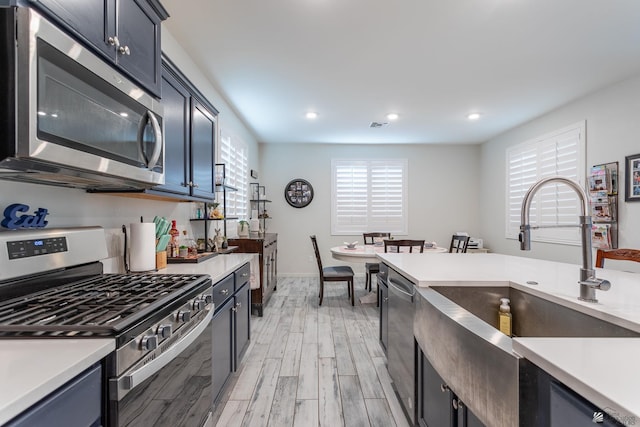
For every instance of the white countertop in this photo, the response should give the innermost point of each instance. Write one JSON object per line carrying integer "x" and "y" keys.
{"x": 30, "y": 369}
{"x": 217, "y": 267}
{"x": 603, "y": 370}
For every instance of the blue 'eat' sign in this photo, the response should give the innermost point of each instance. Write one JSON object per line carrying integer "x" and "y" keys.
{"x": 12, "y": 221}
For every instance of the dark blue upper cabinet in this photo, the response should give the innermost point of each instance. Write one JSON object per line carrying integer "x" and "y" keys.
{"x": 203, "y": 137}
{"x": 176, "y": 102}
{"x": 125, "y": 32}
{"x": 190, "y": 137}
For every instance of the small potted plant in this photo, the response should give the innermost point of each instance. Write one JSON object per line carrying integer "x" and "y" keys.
{"x": 183, "y": 251}
{"x": 243, "y": 228}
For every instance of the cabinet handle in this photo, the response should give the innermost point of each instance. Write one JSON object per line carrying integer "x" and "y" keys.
{"x": 225, "y": 292}
{"x": 124, "y": 50}
{"x": 457, "y": 404}
{"x": 194, "y": 185}
{"x": 238, "y": 305}
{"x": 113, "y": 41}
{"x": 244, "y": 274}
{"x": 444, "y": 388}
{"x": 385, "y": 299}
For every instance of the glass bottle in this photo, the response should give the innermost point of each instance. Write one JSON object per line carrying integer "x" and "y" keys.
{"x": 189, "y": 243}
{"x": 173, "y": 242}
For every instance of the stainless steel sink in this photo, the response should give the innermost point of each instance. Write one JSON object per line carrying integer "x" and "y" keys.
{"x": 457, "y": 330}
{"x": 531, "y": 316}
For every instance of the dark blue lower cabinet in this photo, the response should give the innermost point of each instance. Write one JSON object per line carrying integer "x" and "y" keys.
{"x": 76, "y": 404}
{"x": 568, "y": 409}
{"x": 547, "y": 402}
{"x": 222, "y": 356}
{"x": 231, "y": 327}
{"x": 438, "y": 405}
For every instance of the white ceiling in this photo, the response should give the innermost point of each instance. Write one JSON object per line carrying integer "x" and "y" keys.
{"x": 430, "y": 61}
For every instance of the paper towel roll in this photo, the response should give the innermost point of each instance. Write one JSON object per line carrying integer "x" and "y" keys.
{"x": 142, "y": 253}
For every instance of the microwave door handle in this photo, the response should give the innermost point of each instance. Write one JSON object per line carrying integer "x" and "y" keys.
{"x": 157, "y": 150}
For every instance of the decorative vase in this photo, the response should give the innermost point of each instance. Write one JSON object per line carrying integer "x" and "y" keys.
{"x": 243, "y": 229}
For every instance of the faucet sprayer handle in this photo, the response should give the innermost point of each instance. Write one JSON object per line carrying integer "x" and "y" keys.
{"x": 595, "y": 283}
{"x": 525, "y": 238}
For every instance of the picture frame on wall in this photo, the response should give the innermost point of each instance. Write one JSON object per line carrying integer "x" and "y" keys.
{"x": 632, "y": 178}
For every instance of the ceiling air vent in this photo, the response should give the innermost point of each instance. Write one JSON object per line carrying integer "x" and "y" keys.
{"x": 378, "y": 124}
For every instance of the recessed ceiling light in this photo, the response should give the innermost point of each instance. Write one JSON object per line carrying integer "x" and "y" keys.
{"x": 473, "y": 116}
{"x": 311, "y": 115}
{"x": 392, "y": 116}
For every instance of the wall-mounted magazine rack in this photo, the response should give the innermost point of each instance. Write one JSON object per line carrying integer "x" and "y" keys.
{"x": 603, "y": 192}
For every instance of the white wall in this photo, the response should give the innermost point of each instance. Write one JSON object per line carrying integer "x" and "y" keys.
{"x": 443, "y": 195}
{"x": 613, "y": 132}
{"x": 72, "y": 207}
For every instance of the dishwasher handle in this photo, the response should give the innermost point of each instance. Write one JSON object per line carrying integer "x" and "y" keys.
{"x": 398, "y": 286}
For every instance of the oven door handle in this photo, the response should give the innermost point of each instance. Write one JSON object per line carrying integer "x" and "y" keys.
{"x": 137, "y": 377}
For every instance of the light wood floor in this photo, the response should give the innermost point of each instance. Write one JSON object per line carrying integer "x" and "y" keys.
{"x": 309, "y": 365}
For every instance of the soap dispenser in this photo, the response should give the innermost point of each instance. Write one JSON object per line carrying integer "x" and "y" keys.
{"x": 504, "y": 316}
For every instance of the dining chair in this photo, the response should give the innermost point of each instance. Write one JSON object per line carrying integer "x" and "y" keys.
{"x": 458, "y": 244}
{"x": 399, "y": 244}
{"x": 339, "y": 273}
{"x": 617, "y": 254}
{"x": 371, "y": 268}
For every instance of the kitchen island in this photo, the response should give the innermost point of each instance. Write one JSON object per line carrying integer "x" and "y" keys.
{"x": 602, "y": 370}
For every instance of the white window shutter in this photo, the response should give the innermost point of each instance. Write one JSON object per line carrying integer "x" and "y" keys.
{"x": 369, "y": 195}
{"x": 559, "y": 153}
{"x": 234, "y": 154}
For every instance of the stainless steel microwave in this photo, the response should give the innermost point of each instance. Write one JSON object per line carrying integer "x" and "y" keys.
{"x": 67, "y": 117}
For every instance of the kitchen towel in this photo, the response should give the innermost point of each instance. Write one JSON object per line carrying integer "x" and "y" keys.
{"x": 142, "y": 254}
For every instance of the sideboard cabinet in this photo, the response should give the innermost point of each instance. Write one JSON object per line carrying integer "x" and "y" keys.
{"x": 266, "y": 247}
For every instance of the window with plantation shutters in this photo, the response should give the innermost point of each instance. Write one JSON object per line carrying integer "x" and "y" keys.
{"x": 369, "y": 196}
{"x": 559, "y": 153}
{"x": 234, "y": 154}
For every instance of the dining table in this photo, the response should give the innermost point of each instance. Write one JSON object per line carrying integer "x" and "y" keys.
{"x": 368, "y": 253}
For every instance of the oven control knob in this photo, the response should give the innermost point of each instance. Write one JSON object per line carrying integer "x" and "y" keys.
{"x": 150, "y": 342}
{"x": 208, "y": 298}
{"x": 164, "y": 331}
{"x": 199, "y": 304}
{"x": 184, "y": 316}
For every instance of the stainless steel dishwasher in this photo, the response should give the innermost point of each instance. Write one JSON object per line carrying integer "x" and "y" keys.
{"x": 401, "y": 352}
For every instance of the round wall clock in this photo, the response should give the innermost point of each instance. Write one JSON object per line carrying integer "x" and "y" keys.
{"x": 298, "y": 193}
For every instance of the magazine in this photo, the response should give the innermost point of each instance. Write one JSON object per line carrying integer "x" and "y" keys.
{"x": 600, "y": 236}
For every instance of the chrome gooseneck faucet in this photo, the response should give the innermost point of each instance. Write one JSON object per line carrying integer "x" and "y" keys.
{"x": 588, "y": 280}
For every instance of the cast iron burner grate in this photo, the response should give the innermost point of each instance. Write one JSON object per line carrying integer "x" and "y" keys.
{"x": 101, "y": 305}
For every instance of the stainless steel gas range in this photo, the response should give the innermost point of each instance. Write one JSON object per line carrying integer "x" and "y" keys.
{"x": 52, "y": 287}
